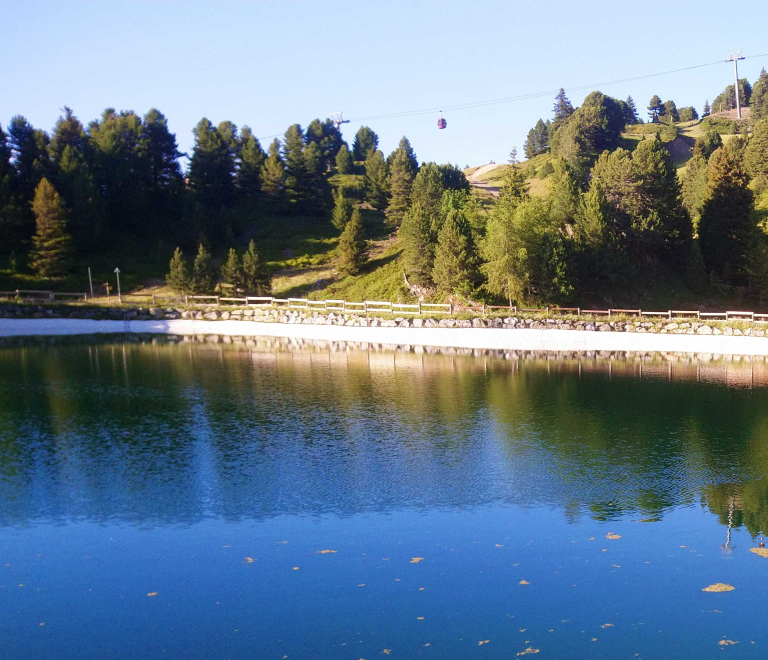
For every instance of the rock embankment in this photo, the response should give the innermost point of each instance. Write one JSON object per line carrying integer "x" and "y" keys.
{"x": 270, "y": 315}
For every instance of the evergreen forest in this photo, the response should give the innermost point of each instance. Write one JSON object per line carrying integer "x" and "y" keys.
{"x": 613, "y": 205}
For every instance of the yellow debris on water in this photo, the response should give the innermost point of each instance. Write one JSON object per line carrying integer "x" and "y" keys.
{"x": 416, "y": 560}
{"x": 607, "y": 625}
{"x": 763, "y": 552}
{"x": 361, "y": 585}
{"x": 325, "y": 552}
{"x": 152, "y": 593}
{"x": 421, "y": 588}
{"x": 42, "y": 623}
{"x": 719, "y": 587}
{"x": 295, "y": 568}
{"x": 420, "y": 618}
{"x": 529, "y": 651}
{"x": 427, "y": 644}
{"x": 499, "y": 545}
{"x": 727, "y": 642}
{"x": 387, "y": 651}
{"x": 249, "y": 560}
{"x": 483, "y": 641}
{"x": 524, "y": 582}
{"x": 612, "y": 537}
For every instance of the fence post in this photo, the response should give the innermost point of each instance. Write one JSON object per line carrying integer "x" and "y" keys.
{"x": 483, "y": 310}
{"x": 153, "y": 300}
{"x": 578, "y": 311}
{"x": 515, "y": 310}
{"x": 451, "y": 308}
{"x": 419, "y": 307}
{"x": 609, "y": 313}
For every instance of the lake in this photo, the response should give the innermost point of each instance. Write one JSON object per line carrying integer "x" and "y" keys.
{"x": 201, "y": 499}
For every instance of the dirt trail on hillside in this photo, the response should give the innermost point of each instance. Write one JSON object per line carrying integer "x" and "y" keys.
{"x": 473, "y": 178}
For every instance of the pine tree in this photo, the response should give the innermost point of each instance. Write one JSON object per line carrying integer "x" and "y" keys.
{"x": 562, "y": 109}
{"x": 416, "y": 238}
{"x": 695, "y": 272}
{"x": 342, "y": 211}
{"x": 232, "y": 271}
{"x": 726, "y": 226}
{"x": 655, "y": 108}
{"x": 256, "y": 278}
{"x": 212, "y": 166}
{"x": 178, "y": 278}
{"x": 705, "y": 112}
{"x": 669, "y": 112}
{"x": 352, "y": 249}
{"x": 273, "y": 175}
{"x": 756, "y": 153}
{"x": 759, "y": 100}
{"x": 504, "y": 256}
{"x": 376, "y": 180}
{"x": 630, "y": 114}
{"x": 68, "y": 132}
{"x": 452, "y": 272}
{"x": 160, "y": 150}
{"x": 365, "y": 142}
{"x": 344, "y": 162}
{"x": 695, "y": 185}
{"x": 413, "y": 163}
{"x": 204, "y": 275}
{"x": 514, "y": 188}
{"x": 6, "y": 182}
{"x": 250, "y": 161}
{"x": 50, "y": 256}
{"x": 296, "y": 173}
{"x": 400, "y": 184}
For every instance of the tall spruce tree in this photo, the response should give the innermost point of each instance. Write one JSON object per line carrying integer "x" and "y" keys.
{"x": 413, "y": 163}
{"x": 178, "y": 278}
{"x": 352, "y": 249}
{"x": 296, "y": 172}
{"x": 376, "y": 180}
{"x": 706, "y": 110}
{"x": 250, "y": 161}
{"x": 232, "y": 271}
{"x": 562, "y": 109}
{"x": 204, "y": 273}
{"x": 415, "y": 236}
{"x": 50, "y": 256}
{"x": 256, "y": 278}
{"x": 6, "y": 187}
{"x": 630, "y": 111}
{"x": 726, "y": 225}
{"x": 29, "y": 149}
{"x": 342, "y": 210}
{"x": 273, "y": 175}
{"x": 695, "y": 187}
{"x": 344, "y": 162}
{"x": 400, "y": 184}
{"x": 365, "y": 142}
{"x": 759, "y": 100}
{"x": 454, "y": 257}
{"x": 212, "y": 166}
{"x": 756, "y": 152}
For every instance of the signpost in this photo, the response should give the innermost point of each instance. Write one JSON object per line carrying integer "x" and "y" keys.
{"x": 119, "y": 299}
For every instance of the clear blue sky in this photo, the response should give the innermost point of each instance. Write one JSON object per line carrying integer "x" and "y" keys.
{"x": 271, "y": 64}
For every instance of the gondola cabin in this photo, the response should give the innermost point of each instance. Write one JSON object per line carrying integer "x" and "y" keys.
{"x": 441, "y": 123}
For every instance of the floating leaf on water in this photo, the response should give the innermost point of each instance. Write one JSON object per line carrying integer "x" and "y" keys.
{"x": 607, "y": 625}
{"x": 42, "y": 623}
{"x": 421, "y": 588}
{"x": 325, "y": 552}
{"x": 420, "y": 618}
{"x": 361, "y": 585}
{"x": 763, "y": 552}
{"x": 153, "y": 593}
{"x": 498, "y": 545}
{"x": 718, "y": 587}
{"x": 530, "y": 650}
{"x": 483, "y": 641}
{"x": 249, "y": 560}
{"x": 427, "y": 644}
{"x": 295, "y": 568}
{"x": 387, "y": 651}
{"x": 416, "y": 560}
{"x": 524, "y": 582}
{"x": 612, "y": 537}
{"x": 727, "y": 642}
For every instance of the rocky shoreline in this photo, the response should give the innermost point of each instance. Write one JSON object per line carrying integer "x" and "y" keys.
{"x": 298, "y": 316}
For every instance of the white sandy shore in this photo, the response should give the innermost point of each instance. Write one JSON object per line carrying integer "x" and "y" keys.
{"x": 489, "y": 338}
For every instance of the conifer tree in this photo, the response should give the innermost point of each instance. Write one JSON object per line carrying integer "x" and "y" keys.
{"x": 296, "y": 173}
{"x": 376, "y": 180}
{"x": 68, "y": 132}
{"x": 342, "y": 210}
{"x": 413, "y": 163}
{"x": 344, "y": 162}
{"x": 232, "y": 271}
{"x": 695, "y": 272}
{"x": 756, "y": 153}
{"x": 669, "y": 112}
{"x": 759, "y": 100}
{"x": 630, "y": 112}
{"x": 416, "y": 238}
{"x": 250, "y": 161}
{"x": 178, "y": 278}
{"x": 50, "y": 256}
{"x": 365, "y": 142}
{"x": 726, "y": 226}
{"x": 352, "y": 249}
{"x": 400, "y": 184}
{"x": 273, "y": 174}
{"x": 6, "y": 182}
{"x": 562, "y": 109}
{"x": 212, "y": 166}
{"x": 204, "y": 275}
{"x": 694, "y": 188}
{"x": 159, "y": 149}
{"x": 256, "y": 278}
{"x": 705, "y": 112}
{"x": 452, "y": 270}
{"x": 655, "y": 108}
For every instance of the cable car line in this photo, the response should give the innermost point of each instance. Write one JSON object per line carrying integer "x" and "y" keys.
{"x": 522, "y": 97}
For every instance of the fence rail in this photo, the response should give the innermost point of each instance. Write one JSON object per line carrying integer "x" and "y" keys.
{"x": 388, "y": 307}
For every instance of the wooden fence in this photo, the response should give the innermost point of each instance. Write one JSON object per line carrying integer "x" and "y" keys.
{"x": 386, "y": 307}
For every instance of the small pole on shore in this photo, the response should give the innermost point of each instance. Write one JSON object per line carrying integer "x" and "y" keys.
{"x": 119, "y": 295}
{"x": 90, "y": 281}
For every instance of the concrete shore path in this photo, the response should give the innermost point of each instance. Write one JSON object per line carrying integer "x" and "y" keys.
{"x": 480, "y": 338}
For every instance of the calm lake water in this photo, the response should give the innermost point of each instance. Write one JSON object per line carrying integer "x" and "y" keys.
{"x": 214, "y": 501}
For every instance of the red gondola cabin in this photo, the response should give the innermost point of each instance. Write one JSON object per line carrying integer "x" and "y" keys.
{"x": 441, "y": 123}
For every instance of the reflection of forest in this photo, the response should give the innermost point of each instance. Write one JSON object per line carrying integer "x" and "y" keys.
{"x": 157, "y": 433}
